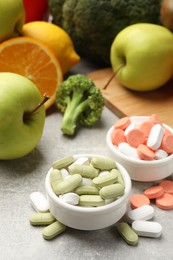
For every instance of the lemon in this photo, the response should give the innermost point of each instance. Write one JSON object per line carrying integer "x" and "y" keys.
{"x": 56, "y": 39}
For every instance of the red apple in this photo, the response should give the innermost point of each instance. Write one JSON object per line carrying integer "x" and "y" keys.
{"x": 35, "y": 10}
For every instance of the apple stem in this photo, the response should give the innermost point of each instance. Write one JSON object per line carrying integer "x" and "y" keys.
{"x": 37, "y": 107}
{"x": 112, "y": 76}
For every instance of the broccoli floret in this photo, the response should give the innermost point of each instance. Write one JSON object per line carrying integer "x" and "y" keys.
{"x": 80, "y": 101}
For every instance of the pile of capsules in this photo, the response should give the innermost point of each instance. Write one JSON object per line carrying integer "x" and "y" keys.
{"x": 142, "y": 138}
{"x": 87, "y": 182}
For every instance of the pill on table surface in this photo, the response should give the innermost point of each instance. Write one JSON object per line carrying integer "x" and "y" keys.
{"x": 144, "y": 212}
{"x": 155, "y": 137}
{"x": 87, "y": 190}
{"x": 167, "y": 143}
{"x": 39, "y": 202}
{"x": 112, "y": 191}
{"x": 87, "y": 171}
{"x": 61, "y": 163}
{"x": 146, "y": 127}
{"x": 155, "y": 119}
{"x": 117, "y": 136}
{"x": 70, "y": 198}
{"x": 160, "y": 154}
{"x": 165, "y": 201}
{"x": 145, "y": 153}
{"x": 147, "y": 228}
{"x": 154, "y": 192}
{"x": 127, "y": 233}
{"x": 135, "y": 137}
{"x": 69, "y": 184}
{"x": 128, "y": 150}
{"x": 106, "y": 179}
{"x": 91, "y": 201}
{"x": 38, "y": 219}
{"x": 103, "y": 163}
{"x": 167, "y": 186}
{"x": 139, "y": 200}
{"x": 53, "y": 230}
{"x": 122, "y": 123}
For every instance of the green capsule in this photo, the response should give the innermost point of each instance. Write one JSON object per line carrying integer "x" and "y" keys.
{"x": 91, "y": 201}
{"x": 106, "y": 179}
{"x": 112, "y": 191}
{"x": 127, "y": 233}
{"x": 53, "y": 230}
{"x": 69, "y": 184}
{"x": 103, "y": 163}
{"x": 37, "y": 218}
{"x": 63, "y": 162}
{"x": 86, "y": 171}
{"x": 55, "y": 178}
{"x": 87, "y": 190}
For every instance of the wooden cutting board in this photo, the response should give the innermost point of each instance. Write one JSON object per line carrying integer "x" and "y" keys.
{"x": 124, "y": 102}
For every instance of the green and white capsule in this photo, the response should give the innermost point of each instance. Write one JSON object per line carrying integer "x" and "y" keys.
{"x": 87, "y": 171}
{"x": 103, "y": 163}
{"x": 106, "y": 179}
{"x": 112, "y": 191}
{"x": 69, "y": 184}
{"x": 64, "y": 162}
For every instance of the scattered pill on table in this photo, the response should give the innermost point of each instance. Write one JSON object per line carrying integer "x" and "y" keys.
{"x": 40, "y": 219}
{"x": 53, "y": 230}
{"x": 39, "y": 202}
{"x": 127, "y": 233}
{"x": 144, "y": 212}
{"x": 165, "y": 201}
{"x": 139, "y": 200}
{"x": 147, "y": 228}
{"x": 167, "y": 186}
{"x": 154, "y": 192}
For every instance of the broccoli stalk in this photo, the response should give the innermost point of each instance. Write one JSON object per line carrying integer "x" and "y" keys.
{"x": 80, "y": 101}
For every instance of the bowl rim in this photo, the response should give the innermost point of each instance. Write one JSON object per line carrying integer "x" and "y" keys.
{"x": 133, "y": 160}
{"x": 101, "y": 209}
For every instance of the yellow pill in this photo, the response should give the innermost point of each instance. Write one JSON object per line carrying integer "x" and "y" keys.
{"x": 55, "y": 178}
{"x": 53, "y": 230}
{"x": 127, "y": 233}
{"x": 106, "y": 179}
{"x": 86, "y": 171}
{"x": 103, "y": 163}
{"x": 112, "y": 191}
{"x": 37, "y": 219}
{"x": 87, "y": 190}
{"x": 63, "y": 162}
{"x": 91, "y": 201}
{"x": 69, "y": 184}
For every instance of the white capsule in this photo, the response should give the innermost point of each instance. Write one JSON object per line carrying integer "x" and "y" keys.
{"x": 128, "y": 150}
{"x": 82, "y": 160}
{"x": 145, "y": 212}
{"x": 70, "y": 198}
{"x": 86, "y": 181}
{"x": 130, "y": 127}
{"x": 103, "y": 173}
{"x": 137, "y": 120}
{"x": 147, "y": 228}
{"x": 155, "y": 137}
{"x": 160, "y": 154}
{"x": 39, "y": 202}
{"x": 64, "y": 173}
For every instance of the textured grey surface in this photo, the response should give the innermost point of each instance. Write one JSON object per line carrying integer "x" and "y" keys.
{"x": 19, "y": 178}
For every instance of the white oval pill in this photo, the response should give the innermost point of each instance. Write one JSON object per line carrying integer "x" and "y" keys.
{"x": 70, "y": 198}
{"x": 160, "y": 154}
{"x": 144, "y": 212}
{"x": 64, "y": 173}
{"x": 128, "y": 150}
{"x": 39, "y": 202}
{"x": 130, "y": 127}
{"x": 147, "y": 228}
{"x": 155, "y": 137}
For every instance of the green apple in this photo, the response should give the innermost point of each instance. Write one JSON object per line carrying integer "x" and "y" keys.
{"x": 12, "y": 18}
{"x": 21, "y": 123}
{"x": 142, "y": 56}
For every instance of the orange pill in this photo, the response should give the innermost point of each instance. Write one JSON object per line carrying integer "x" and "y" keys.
{"x": 117, "y": 136}
{"x": 155, "y": 119}
{"x": 167, "y": 186}
{"x": 165, "y": 201}
{"x": 122, "y": 123}
{"x": 154, "y": 192}
{"x": 135, "y": 137}
{"x": 139, "y": 200}
{"x": 167, "y": 132}
{"x": 145, "y": 153}
{"x": 146, "y": 127}
{"x": 167, "y": 143}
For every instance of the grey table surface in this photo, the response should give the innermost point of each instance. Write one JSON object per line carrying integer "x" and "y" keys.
{"x": 19, "y": 178}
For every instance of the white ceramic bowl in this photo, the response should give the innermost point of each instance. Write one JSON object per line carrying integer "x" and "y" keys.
{"x": 89, "y": 218}
{"x": 140, "y": 170}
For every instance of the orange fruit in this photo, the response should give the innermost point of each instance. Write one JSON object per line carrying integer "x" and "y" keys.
{"x": 34, "y": 60}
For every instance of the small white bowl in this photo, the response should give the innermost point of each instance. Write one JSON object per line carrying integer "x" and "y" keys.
{"x": 140, "y": 170}
{"x": 89, "y": 218}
